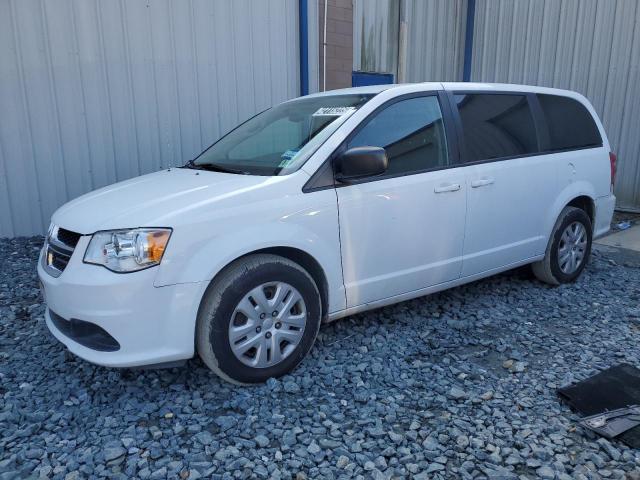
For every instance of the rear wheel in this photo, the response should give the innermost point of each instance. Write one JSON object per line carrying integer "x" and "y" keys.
{"x": 569, "y": 248}
{"x": 258, "y": 319}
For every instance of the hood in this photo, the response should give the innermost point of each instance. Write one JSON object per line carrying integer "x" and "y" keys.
{"x": 152, "y": 200}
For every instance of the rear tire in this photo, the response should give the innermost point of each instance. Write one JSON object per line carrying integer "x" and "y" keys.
{"x": 568, "y": 250}
{"x": 258, "y": 319}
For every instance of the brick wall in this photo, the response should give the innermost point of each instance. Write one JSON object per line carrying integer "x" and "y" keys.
{"x": 339, "y": 43}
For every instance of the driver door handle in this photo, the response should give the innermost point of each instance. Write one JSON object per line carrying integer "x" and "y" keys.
{"x": 482, "y": 182}
{"x": 450, "y": 187}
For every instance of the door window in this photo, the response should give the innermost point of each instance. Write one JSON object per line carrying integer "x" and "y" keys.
{"x": 496, "y": 126}
{"x": 570, "y": 124}
{"x": 412, "y": 133}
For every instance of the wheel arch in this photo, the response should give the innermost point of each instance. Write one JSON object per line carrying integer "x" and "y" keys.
{"x": 578, "y": 194}
{"x": 302, "y": 258}
{"x": 586, "y": 203}
{"x": 310, "y": 264}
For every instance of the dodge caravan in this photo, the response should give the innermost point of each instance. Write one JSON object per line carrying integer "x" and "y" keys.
{"x": 321, "y": 207}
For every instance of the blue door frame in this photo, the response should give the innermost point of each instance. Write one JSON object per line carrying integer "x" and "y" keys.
{"x": 468, "y": 40}
{"x": 303, "y": 20}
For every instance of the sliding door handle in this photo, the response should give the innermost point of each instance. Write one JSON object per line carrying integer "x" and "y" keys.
{"x": 482, "y": 182}
{"x": 450, "y": 187}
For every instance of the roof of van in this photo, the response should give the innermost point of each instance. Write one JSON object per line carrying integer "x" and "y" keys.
{"x": 375, "y": 89}
{"x": 487, "y": 87}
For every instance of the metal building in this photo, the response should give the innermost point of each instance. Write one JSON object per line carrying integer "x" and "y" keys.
{"x": 591, "y": 46}
{"x": 97, "y": 91}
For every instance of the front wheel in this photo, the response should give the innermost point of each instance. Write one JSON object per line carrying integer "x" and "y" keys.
{"x": 568, "y": 250}
{"x": 258, "y": 319}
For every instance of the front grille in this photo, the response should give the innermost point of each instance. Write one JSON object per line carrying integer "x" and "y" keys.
{"x": 58, "y": 248}
{"x": 58, "y": 256}
{"x": 68, "y": 237}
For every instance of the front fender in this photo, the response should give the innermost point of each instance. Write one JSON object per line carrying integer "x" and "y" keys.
{"x": 196, "y": 254}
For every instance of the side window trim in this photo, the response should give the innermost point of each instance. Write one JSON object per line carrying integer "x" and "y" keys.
{"x": 322, "y": 179}
{"x": 542, "y": 129}
{"x": 457, "y": 127}
{"x": 451, "y": 132}
{"x": 316, "y": 183}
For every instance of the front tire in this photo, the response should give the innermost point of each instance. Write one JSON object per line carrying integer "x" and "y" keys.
{"x": 569, "y": 248}
{"x": 259, "y": 319}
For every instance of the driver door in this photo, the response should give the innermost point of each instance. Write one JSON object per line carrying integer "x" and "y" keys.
{"x": 403, "y": 231}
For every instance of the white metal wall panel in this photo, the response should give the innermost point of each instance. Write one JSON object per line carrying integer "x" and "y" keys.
{"x": 435, "y": 34}
{"x": 313, "y": 38}
{"x": 97, "y": 91}
{"x": 591, "y": 46}
{"x": 375, "y": 35}
{"x": 434, "y": 38}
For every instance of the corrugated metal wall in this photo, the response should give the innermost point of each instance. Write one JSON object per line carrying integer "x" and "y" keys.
{"x": 375, "y": 35}
{"x": 97, "y": 91}
{"x": 435, "y": 40}
{"x": 591, "y": 46}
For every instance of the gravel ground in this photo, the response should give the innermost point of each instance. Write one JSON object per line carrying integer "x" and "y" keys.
{"x": 456, "y": 385}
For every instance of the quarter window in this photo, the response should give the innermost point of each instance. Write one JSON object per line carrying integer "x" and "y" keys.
{"x": 496, "y": 126}
{"x": 412, "y": 133}
{"x": 570, "y": 124}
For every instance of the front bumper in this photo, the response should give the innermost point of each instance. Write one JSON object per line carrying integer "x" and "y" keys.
{"x": 152, "y": 325}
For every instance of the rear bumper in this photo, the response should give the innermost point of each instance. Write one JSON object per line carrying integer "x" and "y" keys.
{"x": 603, "y": 215}
{"x": 150, "y": 325}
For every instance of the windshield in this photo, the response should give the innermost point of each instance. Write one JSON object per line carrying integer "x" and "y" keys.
{"x": 280, "y": 140}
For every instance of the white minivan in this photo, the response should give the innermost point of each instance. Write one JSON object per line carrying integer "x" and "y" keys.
{"x": 321, "y": 207}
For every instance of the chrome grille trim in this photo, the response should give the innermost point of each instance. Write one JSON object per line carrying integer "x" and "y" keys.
{"x": 58, "y": 248}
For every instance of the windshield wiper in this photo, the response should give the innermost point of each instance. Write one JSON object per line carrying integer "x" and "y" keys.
{"x": 213, "y": 167}
{"x": 190, "y": 164}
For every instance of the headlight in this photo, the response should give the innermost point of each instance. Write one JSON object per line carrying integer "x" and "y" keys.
{"x": 128, "y": 250}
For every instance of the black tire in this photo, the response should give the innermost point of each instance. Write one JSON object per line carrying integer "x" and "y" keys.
{"x": 548, "y": 270}
{"x": 221, "y": 299}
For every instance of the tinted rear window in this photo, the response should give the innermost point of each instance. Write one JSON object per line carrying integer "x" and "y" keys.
{"x": 569, "y": 122}
{"x": 496, "y": 126}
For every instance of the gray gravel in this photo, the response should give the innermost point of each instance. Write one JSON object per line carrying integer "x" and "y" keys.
{"x": 456, "y": 385}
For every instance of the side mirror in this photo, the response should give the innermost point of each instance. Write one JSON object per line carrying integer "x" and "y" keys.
{"x": 360, "y": 162}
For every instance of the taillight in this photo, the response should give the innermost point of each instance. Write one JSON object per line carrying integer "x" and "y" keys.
{"x": 612, "y": 161}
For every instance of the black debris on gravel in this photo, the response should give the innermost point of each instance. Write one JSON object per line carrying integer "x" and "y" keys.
{"x": 459, "y": 384}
